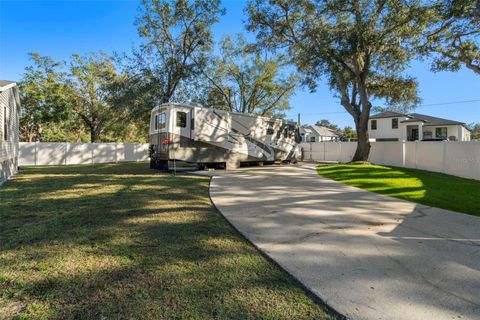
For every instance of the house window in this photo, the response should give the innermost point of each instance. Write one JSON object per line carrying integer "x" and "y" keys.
{"x": 162, "y": 120}
{"x": 441, "y": 132}
{"x": 373, "y": 124}
{"x": 5, "y": 123}
{"x": 395, "y": 123}
{"x": 181, "y": 119}
{"x": 312, "y": 139}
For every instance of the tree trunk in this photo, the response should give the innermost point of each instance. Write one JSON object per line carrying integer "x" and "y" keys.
{"x": 93, "y": 135}
{"x": 361, "y": 121}
{"x": 363, "y": 144}
{"x": 94, "y": 131}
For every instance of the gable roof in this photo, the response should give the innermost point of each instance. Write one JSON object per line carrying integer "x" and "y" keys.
{"x": 387, "y": 114}
{"x": 324, "y": 131}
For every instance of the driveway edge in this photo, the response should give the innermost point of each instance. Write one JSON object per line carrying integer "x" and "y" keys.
{"x": 332, "y": 311}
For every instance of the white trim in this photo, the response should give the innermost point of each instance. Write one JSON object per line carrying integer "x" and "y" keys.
{"x": 8, "y": 86}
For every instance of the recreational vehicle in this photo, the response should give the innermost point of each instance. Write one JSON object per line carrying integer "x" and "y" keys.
{"x": 210, "y": 137}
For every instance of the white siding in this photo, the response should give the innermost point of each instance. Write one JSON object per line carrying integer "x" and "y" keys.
{"x": 9, "y": 146}
{"x": 384, "y": 129}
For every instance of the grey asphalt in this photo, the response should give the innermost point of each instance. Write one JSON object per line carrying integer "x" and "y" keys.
{"x": 366, "y": 255}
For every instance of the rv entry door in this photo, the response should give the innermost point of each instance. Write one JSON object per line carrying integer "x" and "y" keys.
{"x": 182, "y": 123}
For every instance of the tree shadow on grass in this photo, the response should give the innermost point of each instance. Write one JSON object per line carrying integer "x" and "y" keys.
{"x": 119, "y": 242}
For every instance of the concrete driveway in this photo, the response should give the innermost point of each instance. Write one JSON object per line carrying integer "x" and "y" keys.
{"x": 366, "y": 255}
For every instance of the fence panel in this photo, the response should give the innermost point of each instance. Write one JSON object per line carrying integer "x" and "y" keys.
{"x": 411, "y": 154}
{"x": 390, "y": 153}
{"x": 450, "y": 157}
{"x": 331, "y": 151}
{"x": 61, "y": 153}
{"x": 104, "y": 152}
{"x": 462, "y": 159}
{"x": 27, "y": 153}
{"x": 79, "y": 153}
{"x": 347, "y": 150}
{"x": 50, "y": 153}
{"x": 430, "y": 155}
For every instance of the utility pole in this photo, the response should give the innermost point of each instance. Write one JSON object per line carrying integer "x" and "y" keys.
{"x": 298, "y": 121}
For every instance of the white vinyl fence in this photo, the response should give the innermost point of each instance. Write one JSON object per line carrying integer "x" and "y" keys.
{"x": 451, "y": 157}
{"x": 64, "y": 153}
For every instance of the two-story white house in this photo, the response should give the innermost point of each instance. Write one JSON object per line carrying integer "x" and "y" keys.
{"x": 394, "y": 126}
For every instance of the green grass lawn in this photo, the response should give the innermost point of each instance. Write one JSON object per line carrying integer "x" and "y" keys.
{"x": 120, "y": 241}
{"x": 430, "y": 188}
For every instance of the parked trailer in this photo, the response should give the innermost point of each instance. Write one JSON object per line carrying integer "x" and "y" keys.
{"x": 207, "y": 136}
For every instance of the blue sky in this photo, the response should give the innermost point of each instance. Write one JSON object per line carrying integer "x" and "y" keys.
{"x": 61, "y": 28}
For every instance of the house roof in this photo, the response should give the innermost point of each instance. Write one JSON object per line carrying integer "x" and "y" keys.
{"x": 417, "y": 117}
{"x": 387, "y": 114}
{"x": 305, "y": 130}
{"x": 431, "y": 121}
{"x": 5, "y": 84}
{"x": 324, "y": 131}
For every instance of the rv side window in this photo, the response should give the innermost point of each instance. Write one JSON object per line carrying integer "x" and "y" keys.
{"x": 279, "y": 134}
{"x": 270, "y": 131}
{"x": 162, "y": 120}
{"x": 285, "y": 133}
{"x": 181, "y": 119}
{"x": 156, "y": 122}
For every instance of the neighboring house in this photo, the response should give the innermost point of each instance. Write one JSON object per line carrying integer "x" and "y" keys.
{"x": 318, "y": 134}
{"x": 9, "y": 121}
{"x": 394, "y": 126}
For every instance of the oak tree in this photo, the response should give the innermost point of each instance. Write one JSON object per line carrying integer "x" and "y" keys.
{"x": 453, "y": 38}
{"x": 246, "y": 80}
{"x": 360, "y": 47}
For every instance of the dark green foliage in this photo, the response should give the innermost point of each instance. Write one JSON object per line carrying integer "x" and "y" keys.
{"x": 244, "y": 79}
{"x": 44, "y": 97}
{"x": 453, "y": 39}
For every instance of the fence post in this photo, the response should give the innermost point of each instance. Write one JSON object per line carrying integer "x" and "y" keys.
{"x": 324, "y": 157}
{"x": 35, "y": 154}
{"x": 416, "y": 151}
{"x": 444, "y": 156}
{"x": 403, "y": 153}
{"x": 340, "y": 158}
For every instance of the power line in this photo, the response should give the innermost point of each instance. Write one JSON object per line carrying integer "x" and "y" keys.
{"x": 420, "y": 106}
{"x": 447, "y": 103}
